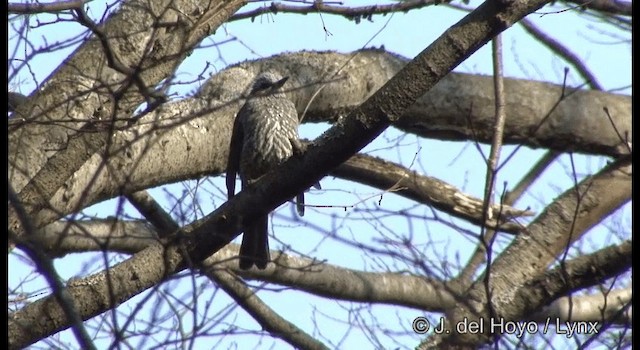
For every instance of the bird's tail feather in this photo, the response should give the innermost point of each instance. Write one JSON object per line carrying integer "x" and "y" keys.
{"x": 255, "y": 245}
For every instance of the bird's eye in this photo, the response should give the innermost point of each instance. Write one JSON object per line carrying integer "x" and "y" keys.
{"x": 262, "y": 84}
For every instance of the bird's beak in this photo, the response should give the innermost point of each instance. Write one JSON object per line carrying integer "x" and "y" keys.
{"x": 278, "y": 84}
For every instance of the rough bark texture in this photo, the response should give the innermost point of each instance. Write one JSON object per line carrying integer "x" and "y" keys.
{"x": 103, "y": 82}
{"x": 190, "y": 138}
{"x": 562, "y": 223}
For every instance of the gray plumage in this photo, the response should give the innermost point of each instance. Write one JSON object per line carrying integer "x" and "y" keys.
{"x": 263, "y": 133}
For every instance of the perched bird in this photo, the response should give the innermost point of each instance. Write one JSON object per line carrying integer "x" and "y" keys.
{"x": 265, "y": 134}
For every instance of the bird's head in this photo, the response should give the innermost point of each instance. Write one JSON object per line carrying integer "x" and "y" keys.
{"x": 268, "y": 82}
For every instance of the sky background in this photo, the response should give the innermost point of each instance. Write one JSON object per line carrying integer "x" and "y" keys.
{"x": 605, "y": 51}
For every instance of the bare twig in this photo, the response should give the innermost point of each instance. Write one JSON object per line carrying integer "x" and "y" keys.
{"x": 487, "y": 236}
{"x": 270, "y": 321}
{"x": 616, "y": 7}
{"x": 623, "y": 139}
{"x": 352, "y": 13}
{"x": 237, "y": 289}
{"x": 575, "y": 274}
{"x": 562, "y": 51}
{"x": 46, "y": 268}
{"x": 532, "y": 175}
{"x": 36, "y": 7}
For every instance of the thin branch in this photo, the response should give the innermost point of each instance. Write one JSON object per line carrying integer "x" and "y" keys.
{"x": 483, "y": 251}
{"x": 562, "y": 51}
{"x": 487, "y": 236}
{"x": 237, "y": 289}
{"x": 397, "y": 179}
{"x": 530, "y": 177}
{"x": 270, "y": 320}
{"x": 352, "y": 13}
{"x": 48, "y": 271}
{"x": 321, "y": 279}
{"x": 530, "y": 253}
{"x": 616, "y": 7}
{"x": 575, "y": 274}
{"x": 465, "y": 276}
{"x": 36, "y": 7}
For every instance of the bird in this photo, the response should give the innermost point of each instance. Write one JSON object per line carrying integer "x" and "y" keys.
{"x": 265, "y": 134}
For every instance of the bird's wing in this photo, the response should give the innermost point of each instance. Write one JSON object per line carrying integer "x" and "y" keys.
{"x": 233, "y": 162}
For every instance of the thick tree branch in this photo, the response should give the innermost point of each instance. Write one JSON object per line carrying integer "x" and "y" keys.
{"x": 319, "y": 279}
{"x": 331, "y": 281}
{"x": 45, "y": 266}
{"x": 613, "y": 306}
{"x": 133, "y": 35}
{"x": 237, "y": 289}
{"x": 575, "y": 274}
{"x": 15, "y": 99}
{"x": 66, "y": 237}
{"x": 428, "y": 190}
{"x": 615, "y": 7}
{"x": 198, "y": 133}
{"x": 152, "y": 263}
{"x": 92, "y": 295}
{"x": 533, "y": 126}
{"x": 563, "y": 222}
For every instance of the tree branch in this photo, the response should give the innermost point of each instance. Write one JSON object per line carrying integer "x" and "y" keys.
{"x": 319, "y": 279}
{"x": 598, "y": 306}
{"x": 47, "y": 269}
{"x": 350, "y": 13}
{"x": 428, "y": 190}
{"x": 530, "y": 253}
{"x": 270, "y": 321}
{"x": 575, "y": 274}
{"x": 561, "y": 50}
{"x": 204, "y": 129}
{"x": 615, "y": 7}
{"x": 37, "y": 176}
{"x": 34, "y": 8}
{"x": 238, "y": 290}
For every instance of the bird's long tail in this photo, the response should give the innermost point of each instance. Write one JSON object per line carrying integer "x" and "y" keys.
{"x": 255, "y": 245}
